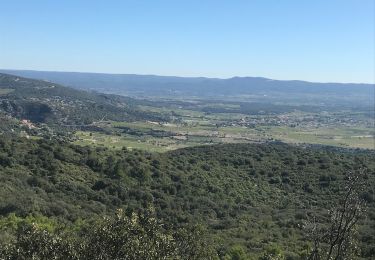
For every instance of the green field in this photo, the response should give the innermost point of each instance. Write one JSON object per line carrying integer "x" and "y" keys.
{"x": 191, "y": 124}
{"x": 205, "y": 132}
{"x": 5, "y": 91}
{"x": 118, "y": 142}
{"x": 343, "y": 137}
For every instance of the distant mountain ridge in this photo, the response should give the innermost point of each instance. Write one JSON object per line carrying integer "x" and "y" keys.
{"x": 171, "y": 86}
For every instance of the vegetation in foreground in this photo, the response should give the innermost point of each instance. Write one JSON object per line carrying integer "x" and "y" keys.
{"x": 251, "y": 198}
{"x": 139, "y": 236}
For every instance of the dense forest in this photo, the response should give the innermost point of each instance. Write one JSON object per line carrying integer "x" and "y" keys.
{"x": 250, "y": 198}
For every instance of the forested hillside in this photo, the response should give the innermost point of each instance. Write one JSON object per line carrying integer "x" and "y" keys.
{"x": 250, "y": 197}
{"x": 46, "y": 102}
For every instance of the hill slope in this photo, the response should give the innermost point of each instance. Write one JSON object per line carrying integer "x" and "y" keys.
{"x": 41, "y": 101}
{"x": 253, "y": 195}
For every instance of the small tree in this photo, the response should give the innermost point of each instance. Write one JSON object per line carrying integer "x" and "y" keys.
{"x": 337, "y": 240}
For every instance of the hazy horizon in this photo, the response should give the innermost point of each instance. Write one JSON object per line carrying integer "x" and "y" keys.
{"x": 178, "y": 76}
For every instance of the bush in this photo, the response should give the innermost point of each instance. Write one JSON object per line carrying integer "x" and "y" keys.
{"x": 139, "y": 236}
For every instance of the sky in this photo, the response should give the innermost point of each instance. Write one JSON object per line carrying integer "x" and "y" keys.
{"x": 314, "y": 40}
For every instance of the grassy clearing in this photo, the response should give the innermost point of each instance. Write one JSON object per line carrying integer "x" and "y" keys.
{"x": 192, "y": 128}
{"x": 344, "y": 137}
{"x": 193, "y": 135}
{"x": 118, "y": 142}
{"x": 151, "y": 144}
{"x": 5, "y": 91}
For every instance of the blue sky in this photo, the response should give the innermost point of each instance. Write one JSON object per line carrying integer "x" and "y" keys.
{"x": 315, "y": 40}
